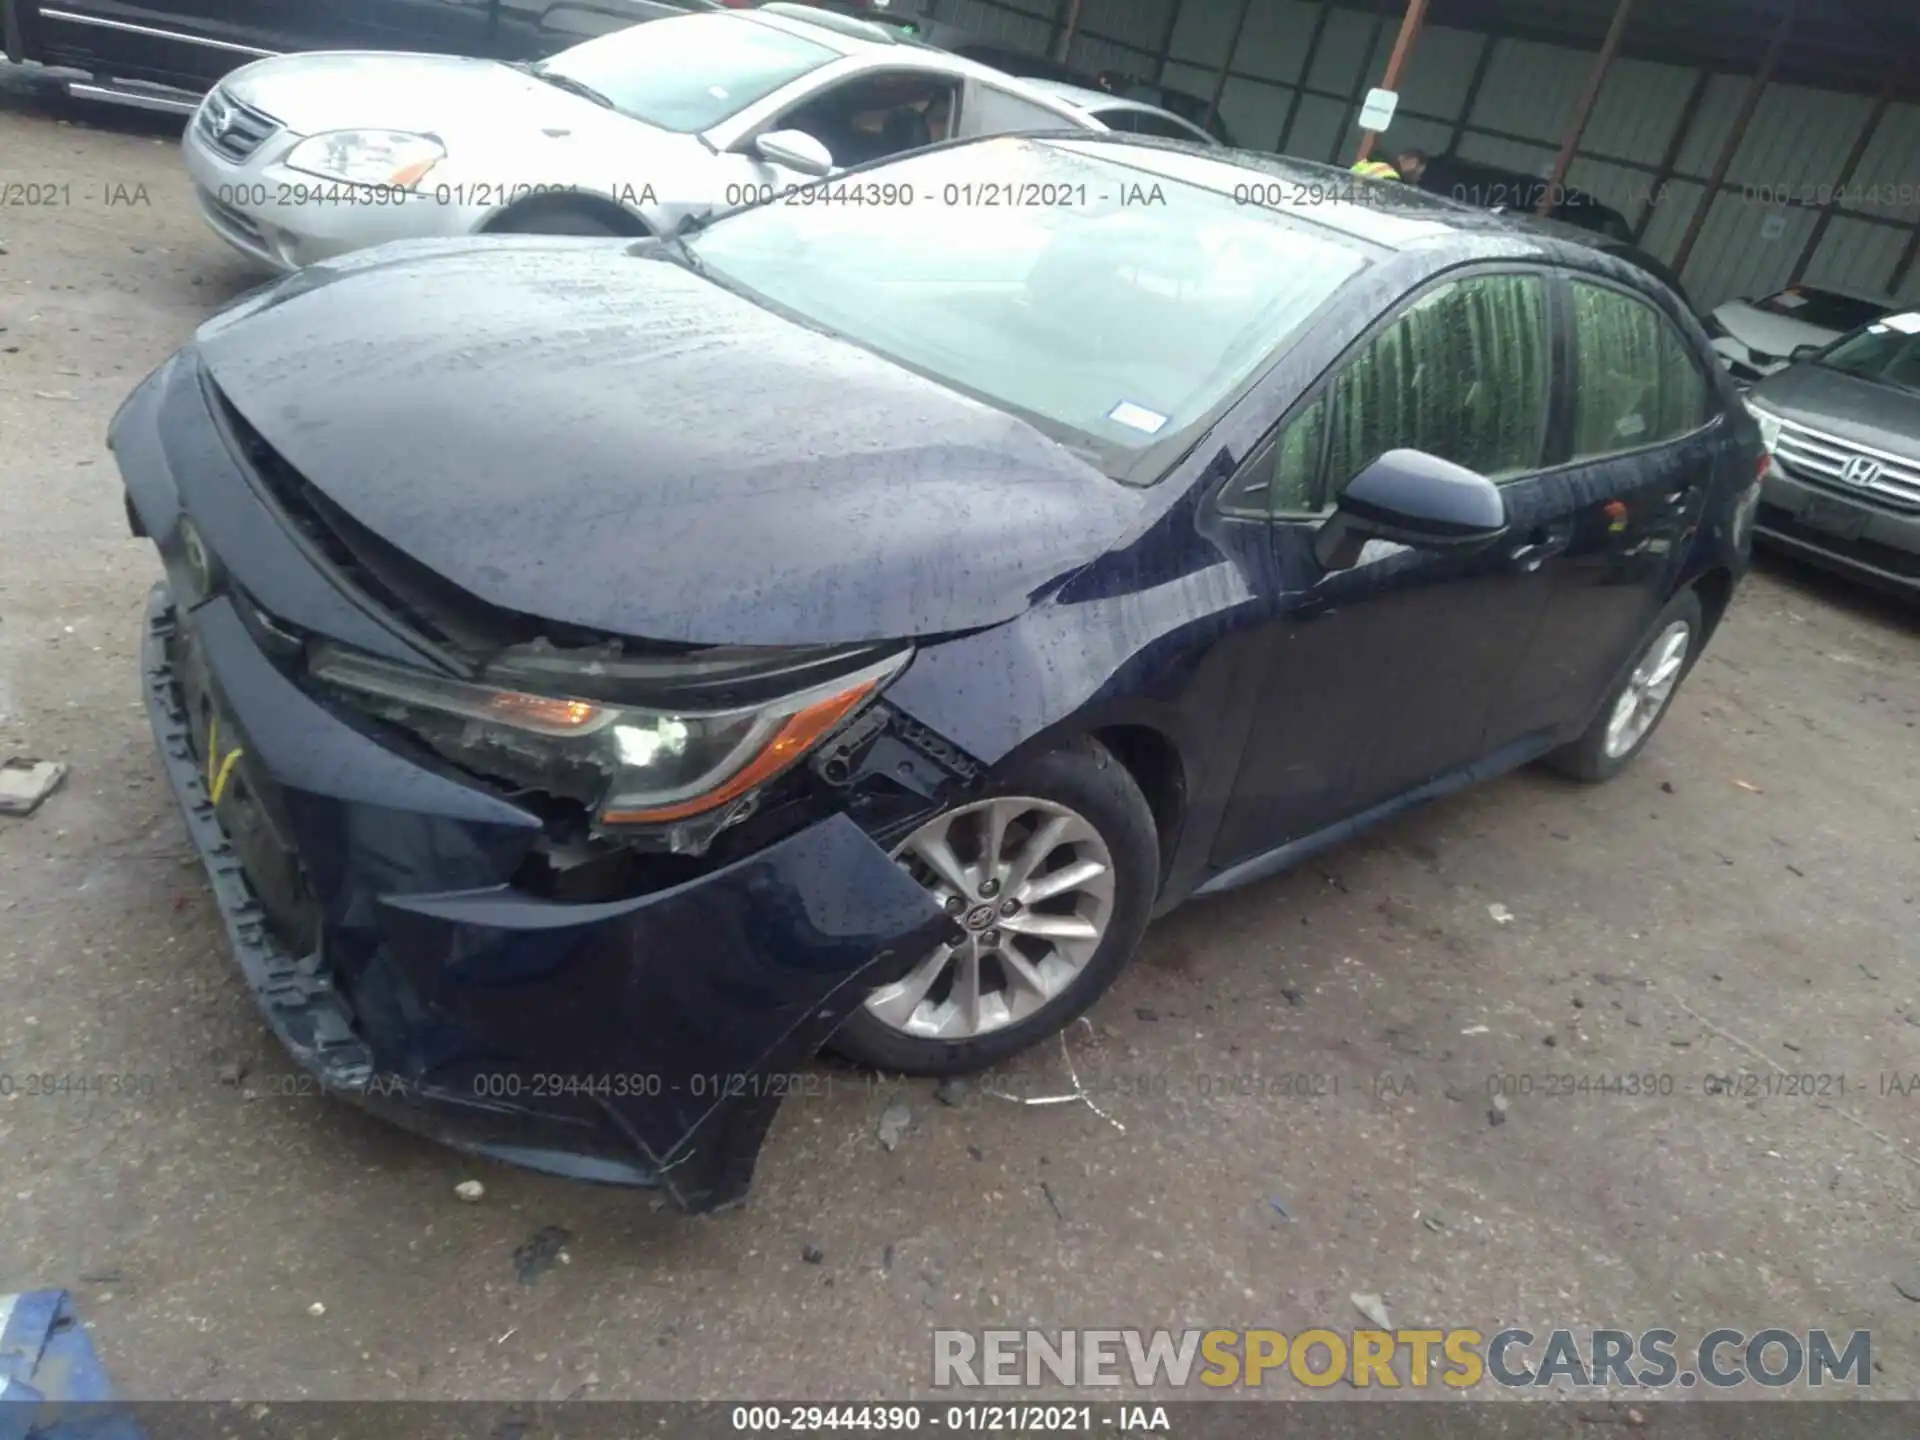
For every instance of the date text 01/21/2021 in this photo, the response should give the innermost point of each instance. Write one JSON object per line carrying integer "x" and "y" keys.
{"x": 977, "y": 1418}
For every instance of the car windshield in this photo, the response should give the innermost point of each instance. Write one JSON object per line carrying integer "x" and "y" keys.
{"x": 688, "y": 73}
{"x": 1887, "y": 353}
{"x": 1114, "y": 317}
{"x": 1821, "y": 308}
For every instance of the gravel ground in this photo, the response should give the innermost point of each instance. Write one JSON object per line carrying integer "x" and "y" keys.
{"x": 1742, "y": 901}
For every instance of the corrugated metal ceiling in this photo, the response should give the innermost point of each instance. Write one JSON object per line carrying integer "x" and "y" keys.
{"x": 1838, "y": 44}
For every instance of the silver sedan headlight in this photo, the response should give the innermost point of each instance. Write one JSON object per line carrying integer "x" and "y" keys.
{"x": 388, "y": 158}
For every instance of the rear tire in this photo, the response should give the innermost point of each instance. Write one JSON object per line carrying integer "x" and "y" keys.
{"x": 1640, "y": 698}
{"x": 1050, "y": 873}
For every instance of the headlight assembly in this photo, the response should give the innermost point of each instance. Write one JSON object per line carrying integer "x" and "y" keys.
{"x": 630, "y": 765}
{"x": 388, "y": 158}
{"x": 1769, "y": 424}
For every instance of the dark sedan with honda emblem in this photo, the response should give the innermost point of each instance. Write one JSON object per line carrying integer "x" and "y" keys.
{"x": 964, "y": 587}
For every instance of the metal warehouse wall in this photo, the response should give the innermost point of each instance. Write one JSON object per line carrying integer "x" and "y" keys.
{"x": 1648, "y": 149}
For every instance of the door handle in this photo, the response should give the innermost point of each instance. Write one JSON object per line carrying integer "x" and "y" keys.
{"x": 1541, "y": 544}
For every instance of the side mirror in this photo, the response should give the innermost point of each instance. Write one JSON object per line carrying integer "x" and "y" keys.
{"x": 796, "y": 150}
{"x": 1805, "y": 352}
{"x": 1409, "y": 497}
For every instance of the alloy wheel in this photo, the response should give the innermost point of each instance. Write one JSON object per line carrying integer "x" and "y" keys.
{"x": 1029, "y": 886}
{"x": 1648, "y": 689}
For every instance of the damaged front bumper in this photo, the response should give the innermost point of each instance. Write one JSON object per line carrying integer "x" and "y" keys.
{"x": 379, "y": 903}
{"x": 642, "y": 1041}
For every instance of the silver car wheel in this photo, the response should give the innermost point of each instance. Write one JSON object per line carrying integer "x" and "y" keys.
{"x": 1029, "y": 885}
{"x": 1648, "y": 690}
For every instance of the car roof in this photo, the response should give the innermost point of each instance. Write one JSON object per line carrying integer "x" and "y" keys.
{"x": 1074, "y": 94}
{"x": 1841, "y": 292}
{"x": 849, "y": 35}
{"x": 846, "y": 33}
{"x": 1085, "y": 99}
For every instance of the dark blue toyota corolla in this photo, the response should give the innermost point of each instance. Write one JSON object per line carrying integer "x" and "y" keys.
{"x": 600, "y": 674}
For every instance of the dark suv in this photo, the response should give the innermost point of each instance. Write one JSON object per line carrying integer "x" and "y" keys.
{"x": 1844, "y": 429}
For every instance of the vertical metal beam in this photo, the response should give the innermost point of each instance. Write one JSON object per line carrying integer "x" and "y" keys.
{"x": 1165, "y": 52}
{"x": 1748, "y": 103}
{"x": 1690, "y": 111}
{"x": 1410, "y": 25}
{"x": 1068, "y": 23}
{"x": 1583, "y": 112}
{"x": 1848, "y": 166}
{"x": 1488, "y": 44}
{"x": 1233, "y": 45}
{"x": 1306, "y": 73}
{"x": 1904, "y": 267}
{"x": 1351, "y": 110}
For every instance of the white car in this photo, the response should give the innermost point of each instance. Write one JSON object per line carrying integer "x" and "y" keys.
{"x": 1757, "y": 338}
{"x": 1129, "y": 117}
{"x": 301, "y": 158}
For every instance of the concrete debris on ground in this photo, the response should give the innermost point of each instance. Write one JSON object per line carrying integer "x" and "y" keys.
{"x": 895, "y": 1121}
{"x": 24, "y": 783}
{"x": 1374, "y": 1308}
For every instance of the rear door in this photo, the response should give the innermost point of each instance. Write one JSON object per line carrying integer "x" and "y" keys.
{"x": 1381, "y": 677}
{"x": 189, "y": 44}
{"x": 1644, "y": 434}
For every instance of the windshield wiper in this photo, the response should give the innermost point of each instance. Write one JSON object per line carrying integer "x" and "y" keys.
{"x": 571, "y": 86}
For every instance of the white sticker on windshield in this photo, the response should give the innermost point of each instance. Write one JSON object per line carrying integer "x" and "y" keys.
{"x": 1137, "y": 417}
{"x": 1630, "y": 426}
{"x": 1908, "y": 324}
{"x": 1787, "y": 300}
{"x": 718, "y": 92}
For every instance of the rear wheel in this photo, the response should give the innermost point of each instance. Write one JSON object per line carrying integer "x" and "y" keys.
{"x": 1048, "y": 879}
{"x": 1639, "y": 700}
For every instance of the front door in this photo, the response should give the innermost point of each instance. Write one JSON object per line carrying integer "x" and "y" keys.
{"x": 1381, "y": 677}
{"x": 1645, "y": 437}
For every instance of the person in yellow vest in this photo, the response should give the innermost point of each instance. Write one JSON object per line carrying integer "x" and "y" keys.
{"x": 1376, "y": 170}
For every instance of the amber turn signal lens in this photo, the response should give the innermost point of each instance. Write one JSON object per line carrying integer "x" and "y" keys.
{"x": 797, "y": 736}
{"x": 542, "y": 712}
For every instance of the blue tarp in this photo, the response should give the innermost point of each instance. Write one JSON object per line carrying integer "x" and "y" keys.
{"x": 52, "y": 1385}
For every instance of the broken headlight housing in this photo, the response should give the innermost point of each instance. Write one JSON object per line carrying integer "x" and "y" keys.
{"x": 692, "y": 769}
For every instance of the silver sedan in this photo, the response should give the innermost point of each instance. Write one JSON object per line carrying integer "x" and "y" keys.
{"x": 301, "y": 158}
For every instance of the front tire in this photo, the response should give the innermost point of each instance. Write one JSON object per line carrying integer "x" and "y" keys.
{"x": 1049, "y": 874}
{"x": 1641, "y": 697}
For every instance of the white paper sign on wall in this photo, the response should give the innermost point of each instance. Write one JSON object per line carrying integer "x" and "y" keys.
{"x": 1377, "y": 113}
{"x": 1773, "y": 227}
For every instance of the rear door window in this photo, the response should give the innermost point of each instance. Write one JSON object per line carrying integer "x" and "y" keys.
{"x": 993, "y": 111}
{"x": 1165, "y": 126}
{"x": 1636, "y": 380}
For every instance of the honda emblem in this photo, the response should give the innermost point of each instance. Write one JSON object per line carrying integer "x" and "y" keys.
{"x": 1860, "y": 470}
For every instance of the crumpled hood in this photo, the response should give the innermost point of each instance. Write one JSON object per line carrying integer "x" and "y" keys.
{"x": 426, "y": 94}
{"x": 1769, "y": 334}
{"x": 571, "y": 430}
{"x": 1875, "y": 417}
